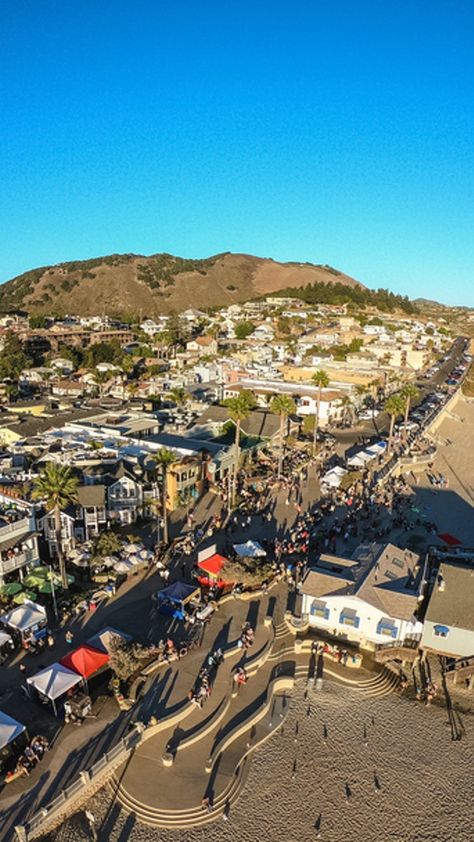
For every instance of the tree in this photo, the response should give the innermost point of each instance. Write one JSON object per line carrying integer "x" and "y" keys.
{"x": 348, "y": 409}
{"x": 12, "y": 358}
{"x": 127, "y": 658}
{"x": 283, "y": 406}
{"x": 178, "y": 395}
{"x": 321, "y": 380}
{"x": 249, "y": 572}
{"x": 394, "y": 406}
{"x": 244, "y": 329}
{"x": 164, "y": 459}
{"x": 101, "y": 378}
{"x": 409, "y": 393}
{"x": 37, "y": 322}
{"x": 56, "y": 486}
{"x": 239, "y": 409}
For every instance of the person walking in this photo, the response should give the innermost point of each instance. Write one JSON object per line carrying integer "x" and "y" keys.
{"x": 91, "y": 822}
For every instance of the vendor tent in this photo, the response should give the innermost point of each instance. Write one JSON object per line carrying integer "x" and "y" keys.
{"x": 103, "y": 639}
{"x": 251, "y": 549}
{"x": 54, "y": 681}
{"x": 10, "y": 729}
{"x": 85, "y": 660}
{"x": 4, "y": 638}
{"x": 333, "y": 478}
{"x": 123, "y": 566}
{"x": 171, "y": 600}
{"x": 24, "y": 617}
{"x": 213, "y": 564}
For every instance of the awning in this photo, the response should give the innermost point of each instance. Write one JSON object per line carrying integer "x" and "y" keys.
{"x": 213, "y": 564}
{"x": 85, "y": 660}
{"x": 10, "y": 729}
{"x": 54, "y": 681}
{"x": 251, "y": 549}
{"x": 25, "y": 616}
{"x": 178, "y": 592}
{"x": 449, "y": 539}
{"x": 103, "y": 639}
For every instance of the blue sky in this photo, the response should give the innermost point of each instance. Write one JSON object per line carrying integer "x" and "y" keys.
{"x": 338, "y": 132}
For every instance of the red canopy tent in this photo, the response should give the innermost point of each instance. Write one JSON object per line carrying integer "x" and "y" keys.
{"x": 449, "y": 539}
{"x": 211, "y": 567}
{"x": 85, "y": 660}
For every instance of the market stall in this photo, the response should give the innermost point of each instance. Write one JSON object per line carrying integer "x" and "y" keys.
{"x": 251, "y": 549}
{"x": 103, "y": 640}
{"x": 85, "y": 660}
{"x": 54, "y": 683}
{"x": 27, "y": 622}
{"x": 210, "y": 564}
{"x": 13, "y": 738}
{"x": 173, "y": 599}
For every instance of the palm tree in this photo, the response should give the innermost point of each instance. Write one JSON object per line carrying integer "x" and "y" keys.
{"x": 164, "y": 460}
{"x": 56, "y": 486}
{"x": 178, "y": 395}
{"x": 321, "y": 380}
{"x": 409, "y": 393}
{"x": 348, "y": 408}
{"x": 394, "y": 406}
{"x": 101, "y": 378}
{"x": 283, "y": 406}
{"x": 239, "y": 408}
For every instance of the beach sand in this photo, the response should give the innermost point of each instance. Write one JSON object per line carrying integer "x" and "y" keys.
{"x": 410, "y": 783}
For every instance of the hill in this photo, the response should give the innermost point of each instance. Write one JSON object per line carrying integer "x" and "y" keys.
{"x": 132, "y": 283}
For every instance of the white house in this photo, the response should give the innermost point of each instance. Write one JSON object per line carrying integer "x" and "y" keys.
{"x": 370, "y": 598}
{"x": 449, "y": 620}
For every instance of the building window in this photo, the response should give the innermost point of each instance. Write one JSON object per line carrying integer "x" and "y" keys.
{"x": 319, "y": 609}
{"x": 441, "y": 631}
{"x": 348, "y": 617}
{"x": 387, "y": 627}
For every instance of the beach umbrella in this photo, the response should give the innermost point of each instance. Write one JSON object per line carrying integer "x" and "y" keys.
{"x": 134, "y": 559}
{"x": 10, "y": 589}
{"x": 123, "y": 567}
{"x": 32, "y": 581}
{"x": 108, "y": 561}
{"x": 130, "y": 549}
{"x": 40, "y": 570}
{"x": 20, "y": 598}
{"x": 81, "y": 561}
{"x": 145, "y": 554}
{"x": 46, "y": 587}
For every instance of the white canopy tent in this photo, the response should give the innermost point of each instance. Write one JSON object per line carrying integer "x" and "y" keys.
{"x": 4, "y": 638}
{"x": 54, "y": 681}
{"x": 10, "y": 729}
{"x": 25, "y": 617}
{"x": 360, "y": 459}
{"x": 251, "y": 549}
{"x": 333, "y": 477}
{"x": 124, "y": 566}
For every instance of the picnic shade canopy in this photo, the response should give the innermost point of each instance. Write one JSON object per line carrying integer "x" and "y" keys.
{"x": 103, "y": 639}
{"x": 251, "y": 549}
{"x": 54, "y": 681}
{"x": 213, "y": 564}
{"x": 360, "y": 459}
{"x": 10, "y": 588}
{"x": 25, "y": 616}
{"x": 124, "y": 566}
{"x": 333, "y": 478}
{"x": 85, "y": 660}
{"x": 178, "y": 592}
{"x": 10, "y": 729}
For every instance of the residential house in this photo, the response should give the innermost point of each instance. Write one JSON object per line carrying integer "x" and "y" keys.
{"x": 202, "y": 345}
{"x": 370, "y": 598}
{"x": 18, "y": 547}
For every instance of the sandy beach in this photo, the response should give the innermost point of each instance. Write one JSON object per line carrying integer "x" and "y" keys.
{"x": 410, "y": 783}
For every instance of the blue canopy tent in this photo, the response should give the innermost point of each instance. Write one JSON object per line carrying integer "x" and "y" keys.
{"x": 171, "y": 600}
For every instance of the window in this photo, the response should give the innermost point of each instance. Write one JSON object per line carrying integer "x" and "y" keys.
{"x": 319, "y": 609}
{"x": 398, "y": 562}
{"x": 391, "y": 575}
{"x": 387, "y": 627}
{"x": 441, "y": 631}
{"x": 348, "y": 617}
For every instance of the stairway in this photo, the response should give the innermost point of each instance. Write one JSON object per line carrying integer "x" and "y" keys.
{"x": 381, "y": 684}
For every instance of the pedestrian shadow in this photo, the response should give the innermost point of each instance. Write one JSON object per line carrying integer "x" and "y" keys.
{"x": 252, "y": 613}
{"x": 126, "y": 829}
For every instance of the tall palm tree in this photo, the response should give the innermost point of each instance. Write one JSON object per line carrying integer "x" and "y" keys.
{"x": 56, "y": 486}
{"x": 283, "y": 406}
{"x": 101, "y": 378}
{"x": 239, "y": 409}
{"x": 321, "y": 380}
{"x": 178, "y": 395}
{"x": 409, "y": 393}
{"x": 164, "y": 459}
{"x": 347, "y": 408}
{"x": 394, "y": 406}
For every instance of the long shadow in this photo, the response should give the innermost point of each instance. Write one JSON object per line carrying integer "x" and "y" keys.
{"x": 252, "y": 613}
{"x": 127, "y": 828}
{"x": 285, "y": 668}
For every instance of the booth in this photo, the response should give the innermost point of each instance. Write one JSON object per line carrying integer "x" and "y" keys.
{"x": 251, "y": 549}
{"x": 54, "y": 682}
{"x": 85, "y": 660}
{"x": 13, "y": 738}
{"x": 6, "y": 646}
{"x": 28, "y": 621}
{"x": 103, "y": 639}
{"x": 210, "y": 564}
{"x": 173, "y": 599}
{"x": 333, "y": 478}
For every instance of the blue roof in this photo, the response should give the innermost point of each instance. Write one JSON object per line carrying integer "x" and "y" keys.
{"x": 177, "y": 592}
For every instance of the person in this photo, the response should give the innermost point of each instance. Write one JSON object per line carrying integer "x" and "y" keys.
{"x": 50, "y": 640}
{"x": 69, "y": 637}
{"x": 91, "y": 822}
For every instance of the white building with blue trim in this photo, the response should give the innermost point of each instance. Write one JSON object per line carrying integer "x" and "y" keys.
{"x": 370, "y": 598}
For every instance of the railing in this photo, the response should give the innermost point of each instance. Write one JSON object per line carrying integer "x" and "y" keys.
{"x": 25, "y": 524}
{"x": 18, "y": 560}
{"x": 35, "y": 826}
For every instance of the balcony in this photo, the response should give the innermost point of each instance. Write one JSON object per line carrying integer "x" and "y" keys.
{"x": 16, "y": 530}
{"x": 7, "y": 565}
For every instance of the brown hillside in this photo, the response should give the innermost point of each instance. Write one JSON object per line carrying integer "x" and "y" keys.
{"x": 160, "y": 283}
